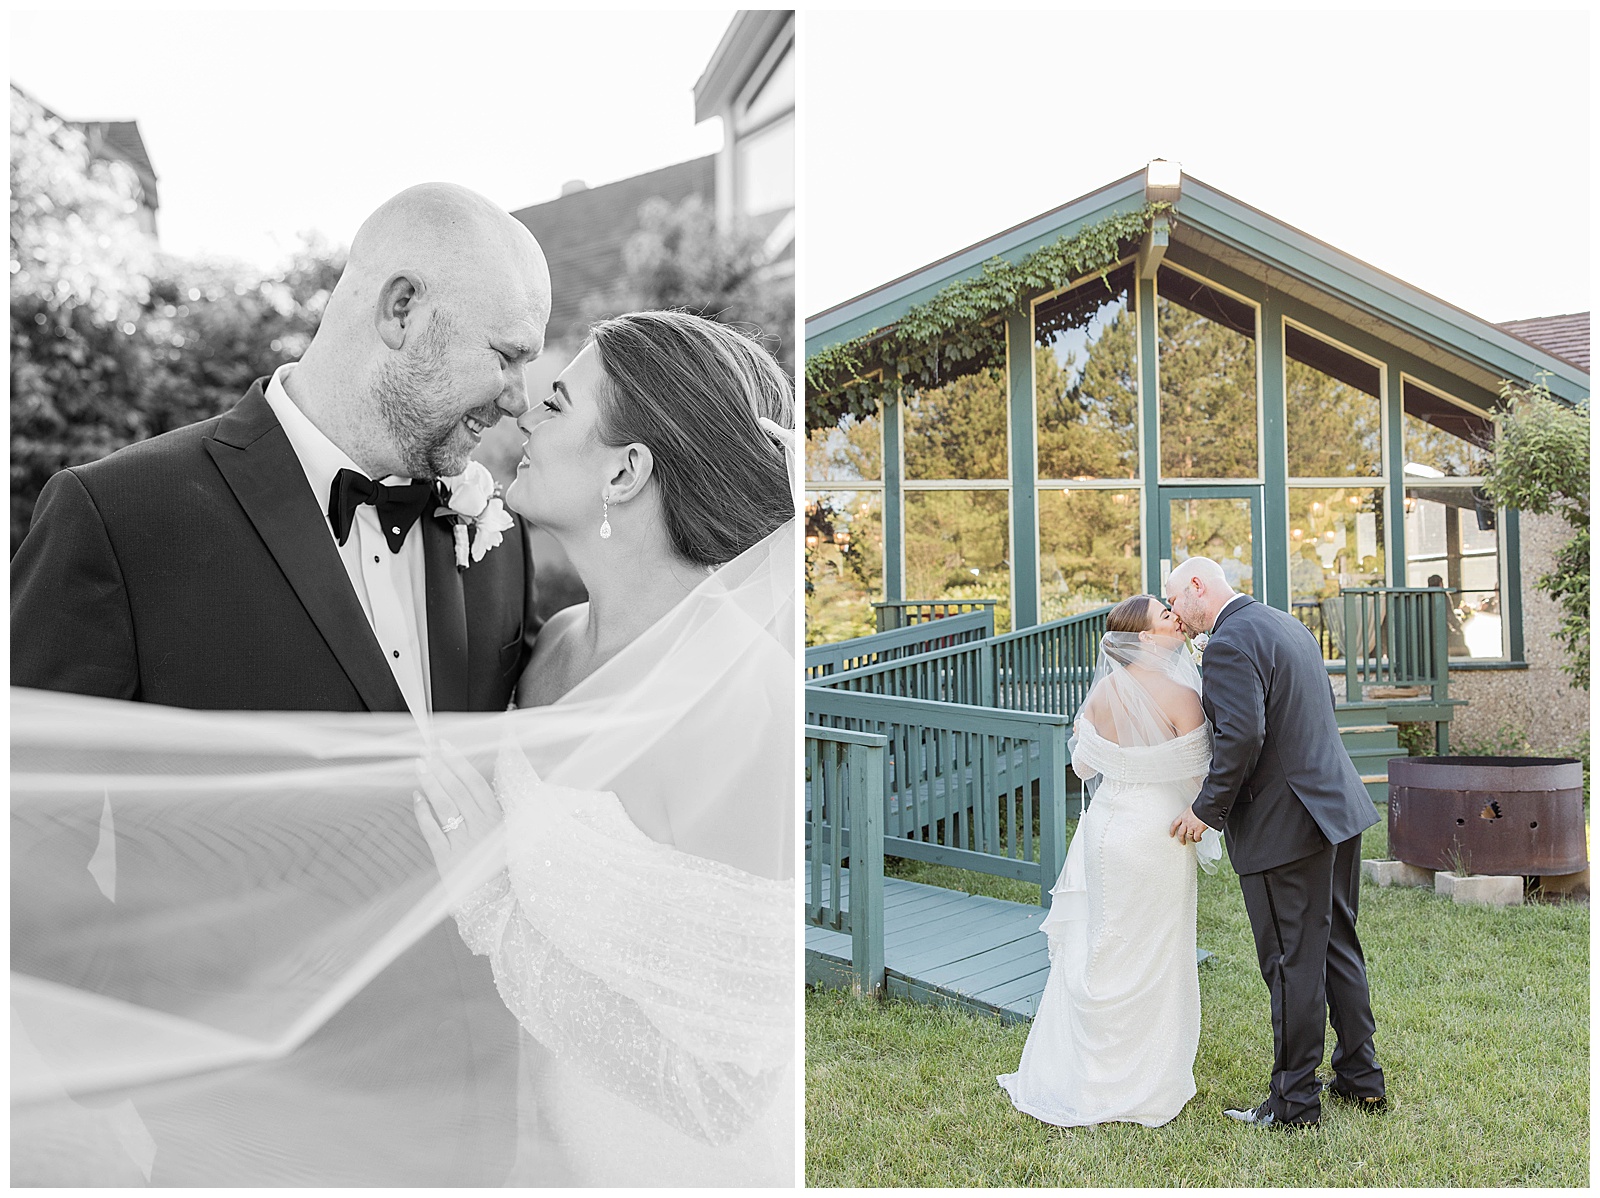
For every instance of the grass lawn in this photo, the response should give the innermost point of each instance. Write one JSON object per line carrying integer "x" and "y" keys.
{"x": 1483, "y": 1033}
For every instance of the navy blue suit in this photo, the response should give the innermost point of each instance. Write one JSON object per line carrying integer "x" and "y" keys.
{"x": 1293, "y": 808}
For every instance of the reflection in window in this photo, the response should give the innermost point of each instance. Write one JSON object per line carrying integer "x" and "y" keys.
{"x": 1207, "y": 373}
{"x": 1218, "y": 528}
{"x": 775, "y": 94}
{"x": 1335, "y": 540}
{"x": 1088, "y": 550}
{"x": 1334, "y": 419}
{"x": 1452, "y": 541}
{"x": 1443, "y": 439}
{"x": 844, "y": 563}
{"x": 958, "y": 547}
{"x": 765, "y": 169}
{"x": 851, "y": 451}
{"x": 1086, "y": 380}
{"x": 958, "y": 429}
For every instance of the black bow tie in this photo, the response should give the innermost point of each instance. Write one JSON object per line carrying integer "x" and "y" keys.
{"x": 398, "y": 507}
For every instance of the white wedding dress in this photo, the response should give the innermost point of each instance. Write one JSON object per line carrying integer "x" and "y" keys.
{"x": 651, "y": 985}
{"x": 233, "y": 962}
{"x": 1118, "y": 1024}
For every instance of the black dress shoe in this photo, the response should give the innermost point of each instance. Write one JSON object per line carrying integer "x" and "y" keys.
{"x": 1261, "y": 1116}
{"x": 1365, "y": 1102}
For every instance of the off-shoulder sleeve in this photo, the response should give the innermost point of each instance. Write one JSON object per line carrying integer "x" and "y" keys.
{"x": 668, "y": 978}
{"x": 1182, "y": 757}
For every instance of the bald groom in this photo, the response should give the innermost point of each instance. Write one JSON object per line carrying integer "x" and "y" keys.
{"x": 209, "y": 567}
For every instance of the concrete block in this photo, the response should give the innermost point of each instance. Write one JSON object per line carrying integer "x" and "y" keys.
{"x": 1489, "y": 890}
{"x": 1574, "y": 885}
{"x": 1395, "y": 873}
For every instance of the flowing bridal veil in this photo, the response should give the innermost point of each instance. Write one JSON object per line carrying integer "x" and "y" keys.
{"x": 233, "y": 961}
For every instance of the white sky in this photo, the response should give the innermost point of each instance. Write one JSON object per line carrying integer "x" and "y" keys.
{"x": 1450, "y": 149}
{"x": 263, "y": 125}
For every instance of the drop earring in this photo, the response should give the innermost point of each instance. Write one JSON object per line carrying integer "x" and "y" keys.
{"x": 605, "y": 515}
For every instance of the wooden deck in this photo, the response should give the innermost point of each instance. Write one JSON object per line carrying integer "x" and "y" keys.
{"x": 942, "y": 946}
{"x": 945, "y": 947}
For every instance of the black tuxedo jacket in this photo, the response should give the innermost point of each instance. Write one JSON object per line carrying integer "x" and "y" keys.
{"x": 1281, "y": 783}
{"x": 195, "y": 570}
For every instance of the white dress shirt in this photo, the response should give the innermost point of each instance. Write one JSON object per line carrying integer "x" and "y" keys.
{"x": 1237, "y": 598}
{"x": 391, "y": 587}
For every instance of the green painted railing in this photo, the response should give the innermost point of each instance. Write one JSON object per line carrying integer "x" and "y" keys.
{"x": 845, "y": 772}
{"x": 1048, "y": 667}
{"x": 822, "y": 660}
{"x": 1394, "y": 636}
{"x": 902, "y": 613}
{"x": 963, "y": 785}
{"x": 957, "y": 674}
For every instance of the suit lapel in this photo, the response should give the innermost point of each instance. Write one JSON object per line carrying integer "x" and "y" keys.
{"x": 1223, "y": 617}
{"x": 447, "y": 616}
{"x": 253, "y": 453}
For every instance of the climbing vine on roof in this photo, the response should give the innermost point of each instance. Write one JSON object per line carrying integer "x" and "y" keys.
{"x": 943, "y": 337}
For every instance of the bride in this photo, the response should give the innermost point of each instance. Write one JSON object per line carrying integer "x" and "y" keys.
{"x": 231, "y": 957}
{"x": 1118, "y": 1024}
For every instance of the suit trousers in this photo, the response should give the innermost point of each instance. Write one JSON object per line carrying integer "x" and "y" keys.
{"x": 1303, "y": 915}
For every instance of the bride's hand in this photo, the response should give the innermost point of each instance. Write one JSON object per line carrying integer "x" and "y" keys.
{"x": 455, "y": 807}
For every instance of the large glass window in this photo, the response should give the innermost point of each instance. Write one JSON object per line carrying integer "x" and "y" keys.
{"x": 1444, "y": 439}
{"x": 957, "y": 430}
{"x": 850, "y": 451}
{"x": 1089, "y": 549}
{"x": 1335, "y": 540}
{"x": 1335, "y": 422}
{"x": 1207, "y": 374}
{"x": 844, "y": 563}
{"x": 844, "y": 528}
{"x": 958, "y": 547}
{"x": 1086, "y": 380}
{"x": 765, "y": 168}
{"x": 1452, "y": 540}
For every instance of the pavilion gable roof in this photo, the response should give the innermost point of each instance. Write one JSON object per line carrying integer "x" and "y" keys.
{"x": 1281, "y": 257}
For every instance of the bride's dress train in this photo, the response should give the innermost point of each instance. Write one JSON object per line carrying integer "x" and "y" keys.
{"x": 1118, "y": 1024}
{"x": 653, "y": 985}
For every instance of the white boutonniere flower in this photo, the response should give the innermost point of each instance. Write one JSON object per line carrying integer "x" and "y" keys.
{"x": 472, "y": 503}
{"x": 1197, "y": 646}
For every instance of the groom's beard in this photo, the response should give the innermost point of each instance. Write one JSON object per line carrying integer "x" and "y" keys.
{"x": 419, "y": 410}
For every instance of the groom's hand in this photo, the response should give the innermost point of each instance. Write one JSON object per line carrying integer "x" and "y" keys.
{"x": 1188, "y": 828}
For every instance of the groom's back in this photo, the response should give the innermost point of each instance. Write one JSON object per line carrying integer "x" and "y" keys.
{"x": 1302, "y": 755}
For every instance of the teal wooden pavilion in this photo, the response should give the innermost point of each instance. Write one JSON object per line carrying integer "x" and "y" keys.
{"x": 1227, "y": 386}
{"x": 1234, "y": 387}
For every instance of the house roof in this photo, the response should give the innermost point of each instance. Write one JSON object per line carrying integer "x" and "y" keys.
{"x": 1265, "y": 250}
{"x": 738, "y": 53}
{"x": 1567, "y": 337}
{"x": 121, "y": 140}
{"x": 582, "y": 234}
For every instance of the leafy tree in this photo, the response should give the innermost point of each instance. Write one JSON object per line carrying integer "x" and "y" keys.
{"x": 1208, "y": 396}
{"x": 680, "y": 259}
{"x": 1541, "y": 465}
{"x": 1335, "y": 430}
{"x": 112, "y": 342}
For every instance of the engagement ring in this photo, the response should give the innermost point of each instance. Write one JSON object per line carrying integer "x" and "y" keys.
{"x": 451, "y": 824}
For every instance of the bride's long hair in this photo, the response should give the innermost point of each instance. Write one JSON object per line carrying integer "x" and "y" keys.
{"x": 695, "y": 391}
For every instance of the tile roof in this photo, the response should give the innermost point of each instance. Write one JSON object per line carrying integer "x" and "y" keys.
{"x": 582, "y": 234}
{"x": 1567, "y": 337}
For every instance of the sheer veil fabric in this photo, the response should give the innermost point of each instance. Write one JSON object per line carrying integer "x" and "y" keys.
{"x": 1125, "y": 710}
{"x": 1118, "y": 1023}
{"x": 233, "y": 962}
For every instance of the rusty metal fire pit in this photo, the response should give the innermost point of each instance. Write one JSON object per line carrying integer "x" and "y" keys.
{"x": 1488, "y": 815}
